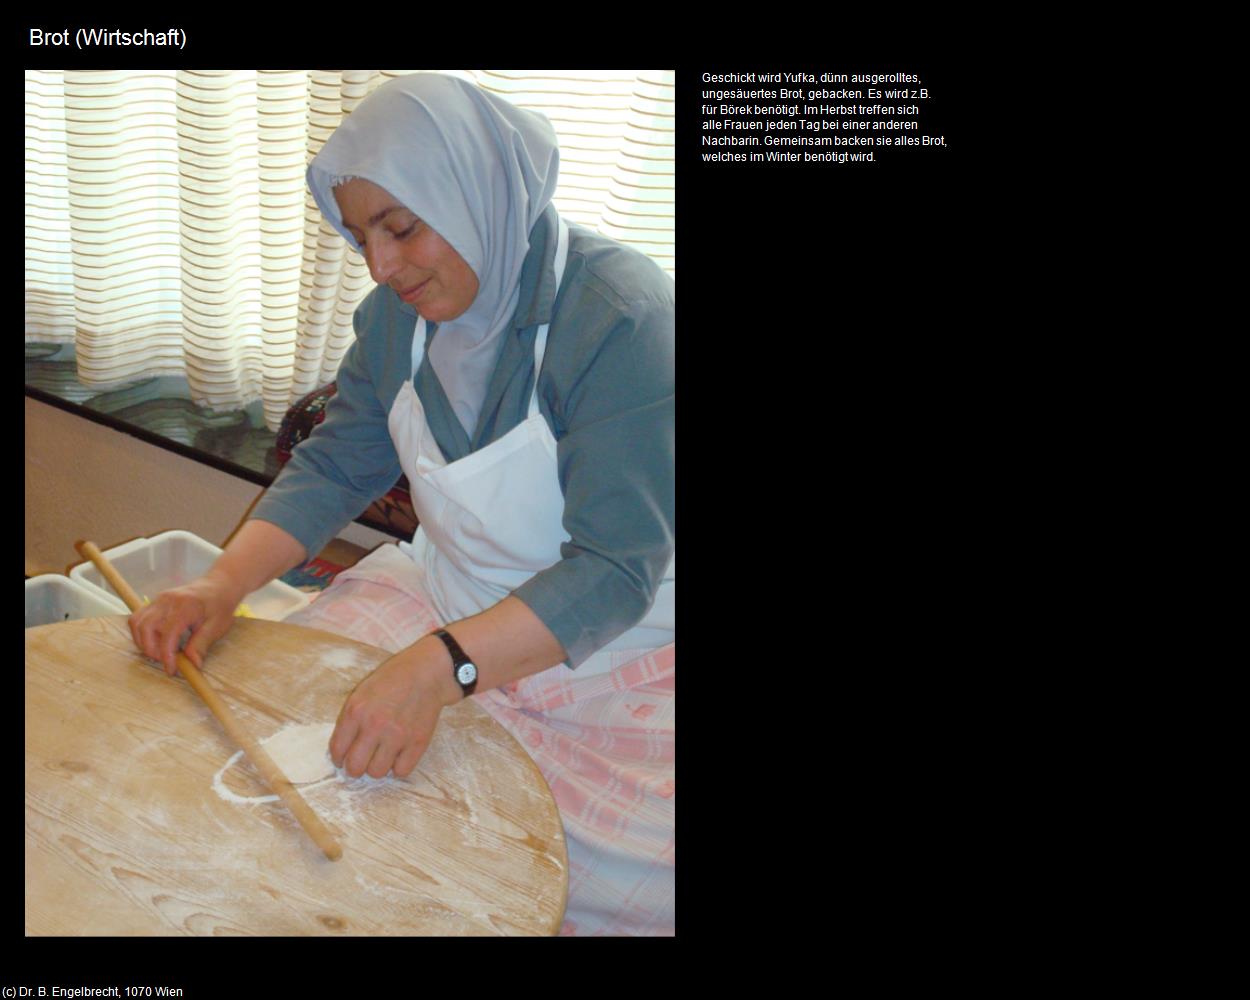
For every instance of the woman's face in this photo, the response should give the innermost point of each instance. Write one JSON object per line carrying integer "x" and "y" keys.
{"x": 405, "y": 253}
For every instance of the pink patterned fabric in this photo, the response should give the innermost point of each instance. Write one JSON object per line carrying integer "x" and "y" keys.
{"x": 605, "y": 744}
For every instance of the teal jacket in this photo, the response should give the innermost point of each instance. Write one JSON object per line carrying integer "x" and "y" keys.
{"x": 606, "y": 391}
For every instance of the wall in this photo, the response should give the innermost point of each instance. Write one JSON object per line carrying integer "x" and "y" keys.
{"x": 88, "y": 481}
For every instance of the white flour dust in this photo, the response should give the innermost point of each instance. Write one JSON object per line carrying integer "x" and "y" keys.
{"x": 302, "y": 753}
{"x": 220, "y": 788}
{"x": 344, "y": 659}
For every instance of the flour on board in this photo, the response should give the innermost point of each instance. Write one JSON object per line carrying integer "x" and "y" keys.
{"x": 347, "y": 659}
{"x": 222, "y": 791}
{"x": 302, "y": 753}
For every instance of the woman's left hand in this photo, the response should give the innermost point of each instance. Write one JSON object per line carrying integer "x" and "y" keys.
{"x": 387, "y": 723}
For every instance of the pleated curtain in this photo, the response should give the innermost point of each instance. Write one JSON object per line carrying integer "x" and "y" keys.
{"x": 169, "y": 230}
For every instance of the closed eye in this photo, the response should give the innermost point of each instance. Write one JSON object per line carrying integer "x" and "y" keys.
{"x": 401, "y": 235}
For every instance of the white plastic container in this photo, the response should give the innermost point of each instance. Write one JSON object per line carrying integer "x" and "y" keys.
{"x": 52, "y": 598}
{"x": 173, "y": 558}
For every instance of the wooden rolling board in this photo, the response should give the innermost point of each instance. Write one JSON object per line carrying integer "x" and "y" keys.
{"x": 127, "y": 835}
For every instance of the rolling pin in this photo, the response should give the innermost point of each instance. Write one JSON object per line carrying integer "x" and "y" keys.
{"x": 269, "y": 771}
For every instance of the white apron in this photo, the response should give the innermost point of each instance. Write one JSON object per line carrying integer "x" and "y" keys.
{"x": 603, "y": 735}
{"x": 491, "y": 520}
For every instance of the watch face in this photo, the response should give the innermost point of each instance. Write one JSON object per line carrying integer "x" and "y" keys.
{"x": 466, "y": 673}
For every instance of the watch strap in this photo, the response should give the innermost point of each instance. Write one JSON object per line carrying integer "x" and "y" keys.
{"x": 458, "y": 659}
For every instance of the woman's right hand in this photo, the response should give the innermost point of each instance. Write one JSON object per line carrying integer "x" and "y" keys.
{"x": 205, "y": 607}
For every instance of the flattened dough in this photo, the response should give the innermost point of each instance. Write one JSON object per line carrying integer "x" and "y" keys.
{"x": 302, "y": 752}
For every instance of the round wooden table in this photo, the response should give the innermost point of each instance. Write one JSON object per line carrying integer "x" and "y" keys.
{"x": 139, "y": 823}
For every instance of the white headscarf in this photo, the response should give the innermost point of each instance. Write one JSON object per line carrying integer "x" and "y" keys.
{"x": 480, "y": 172}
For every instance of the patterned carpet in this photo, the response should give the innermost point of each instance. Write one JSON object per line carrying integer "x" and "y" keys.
{"x": 314, "y": 575}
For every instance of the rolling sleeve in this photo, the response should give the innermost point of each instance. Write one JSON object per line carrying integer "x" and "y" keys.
{"x": 346, "y": 463}
{"x": 616, "y": 468}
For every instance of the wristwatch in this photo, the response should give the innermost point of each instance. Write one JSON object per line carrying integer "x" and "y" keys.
{"x": 464, "y": 669}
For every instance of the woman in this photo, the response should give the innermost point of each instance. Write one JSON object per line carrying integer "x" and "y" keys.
{"x": 519, "y": 371}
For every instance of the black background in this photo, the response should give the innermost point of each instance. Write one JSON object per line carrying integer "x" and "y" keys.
{"x": 833, "y": 434}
